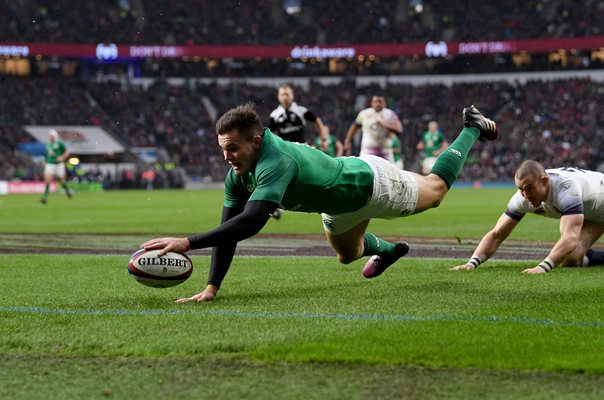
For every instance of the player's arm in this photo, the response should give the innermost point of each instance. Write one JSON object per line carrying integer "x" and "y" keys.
{"x": 63, "y": 157}
{"x": 339, "y": 148}
{"x": 570, "y": 230}
{"x": 420, "y": 145}
{"x": 443, "y": 146}
{"x": 236, "y": 226}
{"x": 394, "y": 128}
{"x": 222, "y": 256}
{"x": 273, "y": 126}
{"x": 322, "y": 131}
{"x": 245, "y": 225}
{"x": 349, "y": 135}
{"x": 489, "y": 243}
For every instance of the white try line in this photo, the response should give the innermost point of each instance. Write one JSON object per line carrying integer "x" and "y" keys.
{"x": 307, "y": 315}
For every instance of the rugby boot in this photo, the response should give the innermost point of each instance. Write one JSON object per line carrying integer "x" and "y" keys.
{"x": 377, "y": 265}
{"x": 487, "y": 127}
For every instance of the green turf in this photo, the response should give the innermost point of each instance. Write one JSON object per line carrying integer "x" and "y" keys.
{"x": 77, "y": 326}
{"x": 465, "y": 213}
{"x": 310, "y": 310}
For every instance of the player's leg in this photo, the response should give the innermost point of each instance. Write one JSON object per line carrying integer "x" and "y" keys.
{"x": 49, "y": 174}
{"x": 61, "y": 174}
{"x": 356, "y": 243}
{"x": 590, "y": 233}
{"x": 448, "y": 165}
{"x": 349, "y": 246}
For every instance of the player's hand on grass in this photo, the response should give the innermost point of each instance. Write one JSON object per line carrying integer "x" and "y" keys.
{"x": 166, "y": 244}
{"x": 207, "y": 295}
{"x": 463, "y": 267}
{"x": 534, "y": 270}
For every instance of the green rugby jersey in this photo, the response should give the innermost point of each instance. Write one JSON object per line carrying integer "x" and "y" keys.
{"x": 331, "y": 145}
{"x": 432, "y": 142}
{"x": 54, "y": 150}
{"x": 396, "y": 145}
{"x": 301, "y": 178}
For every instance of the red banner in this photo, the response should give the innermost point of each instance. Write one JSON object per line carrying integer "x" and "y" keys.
{"x": 428, "y": 49}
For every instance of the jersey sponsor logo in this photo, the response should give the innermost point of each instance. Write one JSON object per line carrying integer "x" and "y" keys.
{"x": 329, "y": 225}
{"x": 456, "y": 152}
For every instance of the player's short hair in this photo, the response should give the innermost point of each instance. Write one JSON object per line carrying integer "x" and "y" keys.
{"x": 53, "y": 133}
{"x": 530, "y": 168}
{"x": 286, "y": 86}
{"x": 433, "y": 123}
{"x": 242, "y": 118}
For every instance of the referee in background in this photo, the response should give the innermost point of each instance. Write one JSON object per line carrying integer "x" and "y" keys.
{"x": 289, "y": 119}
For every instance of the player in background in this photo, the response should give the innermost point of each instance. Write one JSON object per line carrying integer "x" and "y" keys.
{"x": 289, "y": 119}
{"x": 397, "y": 151}
{"x": 334, "y": 146}
{"x": 56, "y": 155}
{"x": 268, "y": 172}
{"x": 432, "y": 143}
{"x": 378, "y": 124}
{"x": 573, "y": 195}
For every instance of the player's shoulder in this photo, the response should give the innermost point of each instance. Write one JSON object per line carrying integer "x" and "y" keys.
{"x": 366, "y": 111}
{"x": 276, "y": 112}
{"x": 298, "y": 109}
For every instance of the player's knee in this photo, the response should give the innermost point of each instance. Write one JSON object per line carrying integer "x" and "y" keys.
{"x": 346, "y": 258}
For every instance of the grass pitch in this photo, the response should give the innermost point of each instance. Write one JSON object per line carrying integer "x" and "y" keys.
{"x": 77, "y": 326}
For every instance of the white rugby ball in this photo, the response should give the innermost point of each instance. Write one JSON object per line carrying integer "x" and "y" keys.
{"x": 168, "y": 270}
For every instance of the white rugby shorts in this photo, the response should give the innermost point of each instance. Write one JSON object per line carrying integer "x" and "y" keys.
{"x": 395, "y": 194}
{"x": 56, "y": 170}
{"x": 427, "y": 164}
{"x": 384, "y": 152}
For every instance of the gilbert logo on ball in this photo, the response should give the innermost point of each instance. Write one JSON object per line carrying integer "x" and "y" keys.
{"x": 168, "y": 270}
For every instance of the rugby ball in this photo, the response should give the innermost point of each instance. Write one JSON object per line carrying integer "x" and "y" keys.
{"x": 168, "y": 270}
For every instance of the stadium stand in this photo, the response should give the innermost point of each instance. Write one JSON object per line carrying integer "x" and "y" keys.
{"x": 553, "y": 120}
{"x": 321, "y": 22}
{"x": 557, "y": 120}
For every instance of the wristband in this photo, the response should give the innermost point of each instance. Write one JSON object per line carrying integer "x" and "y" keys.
{"x": 475, "y": 261}
{"x": 546, "y": 265}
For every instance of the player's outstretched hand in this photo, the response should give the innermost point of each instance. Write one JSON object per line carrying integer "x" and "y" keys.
{"x": 464, "y": 267}
{"x": 166, "y": 244}
{"x": 207, "y": 295}
{"x": 534, "y": 270}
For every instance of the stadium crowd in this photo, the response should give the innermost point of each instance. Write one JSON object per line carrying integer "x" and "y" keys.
{"x": 315, "y": 21}
{"x": 557, "y": 122}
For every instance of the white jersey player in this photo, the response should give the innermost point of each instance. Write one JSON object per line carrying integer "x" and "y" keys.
{"x": 573, "y": 195}
{"x": 378, "y": 124}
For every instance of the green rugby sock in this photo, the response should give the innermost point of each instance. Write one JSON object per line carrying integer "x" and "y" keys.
{"x": 373, "y": 245}
{"x": 46, "y": 189}
{"x": 450, "y": 162}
